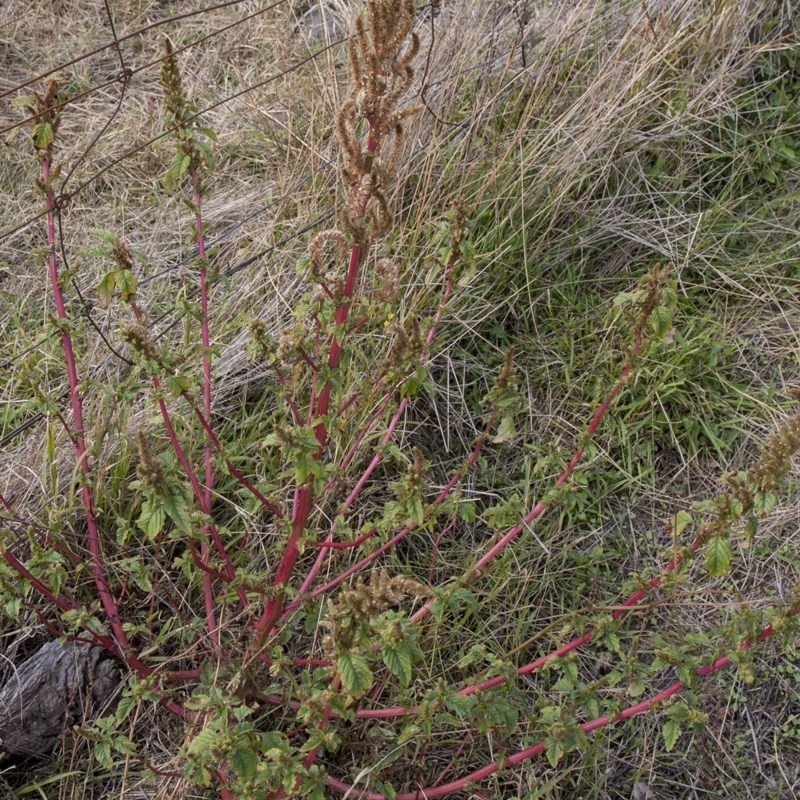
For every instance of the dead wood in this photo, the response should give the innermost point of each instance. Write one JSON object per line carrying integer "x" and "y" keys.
{"x": 64, "y": 683}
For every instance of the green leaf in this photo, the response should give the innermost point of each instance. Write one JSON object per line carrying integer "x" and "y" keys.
{"x": 614, "y": 677}
{"x": 718, "y": 555}
{"x": 636, "y": 687}
{"x": 106, "y": 287}
{"x": 398, "y": 660}
{"x": 661, "y": 321}
{"x": 467, "y": 276}
{"x": 179, "y": 166}
{"x": 102, "y": 753}
{"x": 591, "y": 707}
{"x": 564, "y": 684}
{"x": 686, "y": 672}
{"x": 461, "y": 704}
{"x": 506, "y": 431}
{"x": 303, "y": 466}
{"x": 463, "y": 599}
{"x": 272, "y": 440}
{"x": 140, "y": 577}
{"x": 503, "y": 714}
{"x": 24, "y": 101}
{"x": 326, "y": 738}
{"x": 671, "y": 731}
{"x": 623, "y": 299}
{"x": 201, "y": 775}
{"x": 611, "y": 641}
{"x": 416, "y": 511}
{"x": 178, "y": 511}
{"x": 553, "y": 750}
{"x": 205, "y": 149}
{"x": 105, "y": 235}
{"x": 681, "y": 521}
{"x": 273, "y": 740}
{"x": 466, "y": 510}
{"x": 177, "y": 385}
{"x": 151, "y": 520}
{"x": 407, "y": 733}
{"x": 43, "y": 135}
{"x": 355, "y": 673}
{"x": 244, "y": 762}
{"x": 410, "y": 387}
{"x": 123, "y": 745}
{"x": 96, "y": 250}
{"x": 127, "y": 284}
{"x": 764, "y": 503}
{"x": 126, "y": 704}
{"x": 201, "y": 744}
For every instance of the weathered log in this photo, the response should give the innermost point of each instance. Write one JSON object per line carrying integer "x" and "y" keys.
{"x": 62, "y": 684}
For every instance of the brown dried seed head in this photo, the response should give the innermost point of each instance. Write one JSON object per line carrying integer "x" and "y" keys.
{"x": 171, "y": 83}
{"x": 121, "y": 255}
{"x": 397, "y": 352}
{"x": 149, "y": 470}
{"x": 505, "y": 378}
{"x": 389, "y": 273}
{"x": 139, "y": 339}
{"x": 316, "y": 247}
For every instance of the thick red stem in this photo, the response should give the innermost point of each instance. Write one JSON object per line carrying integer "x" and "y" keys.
{"x": 303, "y": 496}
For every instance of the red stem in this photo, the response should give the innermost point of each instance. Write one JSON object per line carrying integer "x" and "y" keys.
{"x": 376, "y": 459}
{"x": 44, "y": 591}
{"x": 209, "y": 530}
{"x": 78, "y": 436}
{"x": 441, "y": 497}
{"x": 328, "y": 544}
{"x": 472, "y": 574}
{"x": 304, "y": 500}
{"x": 578, "y": 641}
{"x": 536, "y": 511}
{"x": 542, "y": 506}
{"x": 643, "y": 706}
{"x": 303, "y": 496}
{"x": 300, "y": 511}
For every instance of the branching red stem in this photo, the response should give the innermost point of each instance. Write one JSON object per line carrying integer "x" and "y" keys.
{"x": 461, "y": 784}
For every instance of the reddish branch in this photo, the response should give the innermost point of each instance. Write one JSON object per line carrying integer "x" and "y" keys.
{"x": 78, "y": 430}
{"x": 463, "y": 783}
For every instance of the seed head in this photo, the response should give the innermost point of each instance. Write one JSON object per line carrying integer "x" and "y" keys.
{"x": 380, "y": 53}
{"x": 149, "y": 470}
{"x": 139, "y": 339}
{"x": 171, "y": 83}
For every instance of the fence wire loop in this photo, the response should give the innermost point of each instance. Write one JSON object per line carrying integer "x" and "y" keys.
{"x": 62, "y": 201}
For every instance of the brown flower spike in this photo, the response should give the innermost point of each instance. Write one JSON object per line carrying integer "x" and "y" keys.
{"x": 380, "y": 61}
